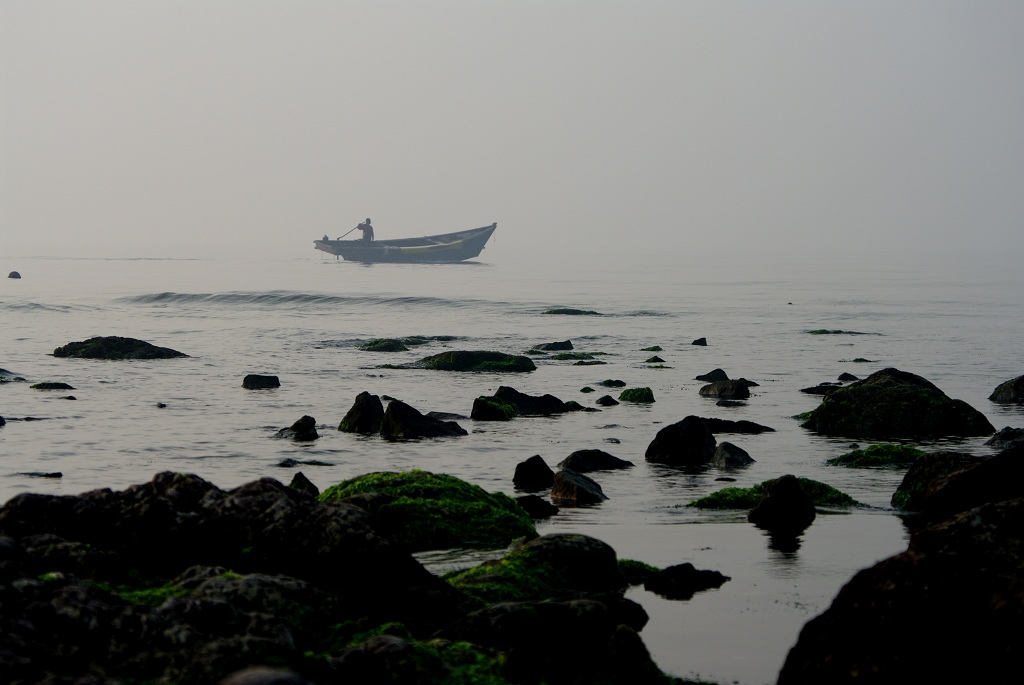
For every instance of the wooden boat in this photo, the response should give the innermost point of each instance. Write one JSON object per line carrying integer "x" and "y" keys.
{"x": 440, "y": 248}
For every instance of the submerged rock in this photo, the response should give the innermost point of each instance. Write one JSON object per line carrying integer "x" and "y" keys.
{"x": 713, "y": 376}
{"x": 683, "y": 581}
{"x": 536, "y": 507}
{"x": 1012, "y": 391}
{"x": 729, "y": 390}
{"x": 606, "y": 401}
{"x": 555, "y": 346}
{"x": 729, "y": 456}
{"x": 533, "y": 474}
{"x": 729, "y": 426}
{"x": 531, "y": 405}
{"x": 637, "y": 395}
{"x": 585, "y": 461}
{"x": 685, "y": 443}
{"x": 492, "y": 409}
{"x": 403, "y": 422}
{"x": 702, "y": 342}
{"x": 463, "y": 360}
{"x": 883, "y": 454}
{"x": 613, "y": 383}
{"x": 115, "y": 347}
{"x": 51, "y": 385}
{"x": 384, "y": 345}
{"x": 254, "y": 381}
{"x": 366, "y": 415}
{"x": 1006, "y": 437}
{"x": 785, "y": 508}
{"x": 303, "y": 430}
{"x": 573, "y": 489}
{"x": 895, "y": 404}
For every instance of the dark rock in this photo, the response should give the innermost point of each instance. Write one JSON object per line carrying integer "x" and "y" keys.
{"x": 729, "y": 390}
{"x": 821, "y": 388}
{"x": 730, "y": 403}
{"x": 303, "y": 484}
{"x": 49, "y": 385}
{"x": 683, "y": 581}
{"x": 255, "y": 381}
{"x": 903, "y": 620}
{"x": 40, "y": 474}
{"x": 728, "y": 456}
{"x": 637, "y": 395}
{"x": 925, "y": 469}
{"x": 572, "y": 489}
{"x": 586, "y": 388}
{"x": 1006, "y": 438}
{"x": 533, "y": 474}
{"x": 994, "y": 479}
{"x": 161, "y": 405}
{"x": 2, "y": 422}
{"x": 895, "y": 404}
{"x": 742, "y": 426}
{"x": 606, "y": 401}
{"x": 290, "y": 463}
{"x": 610, "y": 383}
{"x": 447, "y": 416}
{"x": 384, "y": 345}
{"x": 654, "y": 360}
{"x": 402, "y": 422}
{"x": 365, "y": 416}
{"x": 713, "y": 376}
{"x": 475, "y": 360}
{"x": 263, "y": 675}
{"x": 531, "y": 405}
{"x": 749, "y": 384}
{"x": 613, "y": 441}
{"x": 69, "y": 397}
{"x": 14, "y": 274}
{"x": 115, "y": 347}
{"x": 303, "y": 430}
{"x": 700, "y": 341}
{"x": 585, "y": 461}
{"x": 1012, "y": 391}
{"x": 492, "y": 409}
{"x": 685, "y": 443}
{"x": 536, "y": 507}
{"x": 554, "y": 346}
{"x": 785, "y": 510}
{"x": 589, "y": 362}
{"x": 847, "y": 377}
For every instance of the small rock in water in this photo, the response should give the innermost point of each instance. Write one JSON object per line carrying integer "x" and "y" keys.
{"x": 300, "y": 482}
{"x": 14, "y": 274}
{"x": 303, "y": 429}
{"x": 536, "y": 507}
{"x": 161, "y": 405}
{"x": 42, "y": 474}
{"x": 703, "y": 342}
{"x": 255, "y": 381}
{"x": 69, "y": 397}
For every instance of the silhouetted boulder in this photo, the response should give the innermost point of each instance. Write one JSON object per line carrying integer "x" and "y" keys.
{"x": 584, "y": 461}
{"x": 365, "y": 416}
{"x": 846, "y": 377}
{"x": 729, "y": 390}
{"x": 303, "y": 430}
{"x": 730, "y": 403}
{"x": 574, "y": 489}
{"x": 476, "y": 360}
{"x": 402, "y": 422}
{"x": 743, "y": 426}
{"x": 926, "y": 469}
{"x": 254, "y": 381}
{"x": 1012, "y": 391}
{"x": 533, "y": 474}
{"x": 612, "y": 383}
{"x": 51, "y": 385}
{"x": 713, "y": 376}
{"x": 895, "y": 404}
{"x": 384, "y": 345}
{"x": 14, "y": 274}
{"x": 637, "y": 395}
{"x": 606, "y": 401}
{"x": 685, "y": 443}
{"x": 554, "y": 346}
{"x": 821, "y": 388}
{"x": 728, "y": 456}
{"x": 683, "y": 581}
{"x": 702, "y": 342}
{"x": 536, "y": 507}
{"x": 492, "y": 409}
{"x": 303, "y": 484}
{"x": 1006, "y": 438}
{"x": 994, "y": 479}
{"x": 115, "y": 347}
{"x": 531, "y": 405}
{"x": 785, "y": 510}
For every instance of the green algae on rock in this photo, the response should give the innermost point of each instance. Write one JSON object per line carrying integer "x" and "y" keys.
{"x": 488, "y": 408}
{"x": 821, "y": 495}
{"x": 652, "y": 348}
{"x": 384, "y": 345}
{"x": 476, "y": 360}
{"x": 895, "y": 404}
{"x": 424, "y": 510}
{"x": 882, "y": 454}
{"x": 116, "y": 347}
{"x": 637, "y": 395}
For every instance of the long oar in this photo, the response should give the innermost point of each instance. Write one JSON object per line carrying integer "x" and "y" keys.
{"x": 348, "y": 232}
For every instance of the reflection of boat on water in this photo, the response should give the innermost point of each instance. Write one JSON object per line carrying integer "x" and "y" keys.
{"x": 444, "y": 247}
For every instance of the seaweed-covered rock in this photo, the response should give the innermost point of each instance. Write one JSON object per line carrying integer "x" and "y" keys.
{"x": 571, "y": 489}
{"x": 895, "y": 404}
{"x": 994, "y": 479}
{"x": 654, "y": 360}
{"x": 729, "y": 390}
{"x": 885, "y": 454}
{"x": 729, "y": 456}
{"x": 533, "y": 474}
{"x": 820, "y": 494}
{"x": 785, "y": 509}
{"x": 685, "y": 443}
{"x": 492, "y": 409}
{"x": 554, "y": 346}
{"x": 821, "y": 388}
{"x": 402, "y": 422}
{"x": 1006, "y": 437}
{"x": 612, "y": 383}
{"x": 1011, "y": 391}
{"x": 384, "y": 345}
{"x": 728, "y": 426}
{"x": 255, "y": 381}
{"x": 925, "y": 469}
{"x": 438, "y": 511}
{"x": 683, "y": 581}
{"x": 476, "y": 360}
{"x": 51, "y": 385}
{"x": 713, "y": 376}
{"x": 637, "y": 395}
{"x": 584, "y": 461}
{"x": 366, "y": 415}
{"x": 846, "y": 377}
{"x": 115, "y": 347}
{"x": 302, "y": 430}
{"x": 530, "y": 405}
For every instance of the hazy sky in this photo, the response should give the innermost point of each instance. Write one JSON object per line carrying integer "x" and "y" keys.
{"x": 187, "y": 128}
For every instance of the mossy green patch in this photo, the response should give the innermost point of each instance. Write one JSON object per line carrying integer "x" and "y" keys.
{"x": 494, "y": 409}
{"x": 384, "y": 345}
{"x": 821, "y": 495}
{"x": 514, "y": 578}
{"x": 438, "y": 511}
{"x": 463, "y": 360}
{"x": 883, "y": 454}
{"x": 636, "y": 572}
{"x": 569, "y": 311}
{"x": 652, "y": 348}
{"x": 638, "y": 395}
{"x": 150, "y": 596}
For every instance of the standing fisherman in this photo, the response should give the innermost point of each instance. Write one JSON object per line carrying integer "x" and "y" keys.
{"x": 367, "y": 230}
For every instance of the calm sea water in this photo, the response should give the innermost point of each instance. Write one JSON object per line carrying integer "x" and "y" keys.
{"x": 302, "y": 319}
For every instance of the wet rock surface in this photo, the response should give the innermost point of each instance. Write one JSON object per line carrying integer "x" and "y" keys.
{"x": 685, "y": 443}
{"x": 116, "y": 347}
{"x": 365, "y": 416}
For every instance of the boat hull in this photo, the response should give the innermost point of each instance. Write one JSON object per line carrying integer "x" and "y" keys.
{"x": 442, "y": 248}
